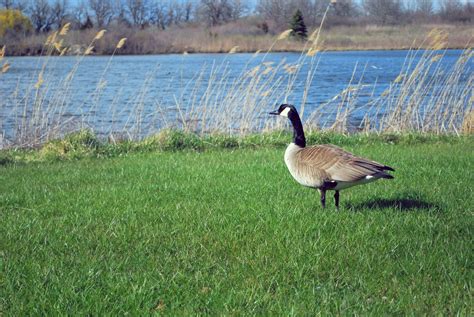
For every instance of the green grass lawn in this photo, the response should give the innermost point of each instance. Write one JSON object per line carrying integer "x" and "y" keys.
{"x": 230, "y": 232}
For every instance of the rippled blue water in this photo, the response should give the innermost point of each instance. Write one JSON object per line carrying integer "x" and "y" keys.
{"x": 167, "y": 75}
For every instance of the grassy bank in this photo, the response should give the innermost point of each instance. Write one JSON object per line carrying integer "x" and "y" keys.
{"x": 221, "y": 231}
{"x": 85, "y": 144}
{"x": 248, "y": 38}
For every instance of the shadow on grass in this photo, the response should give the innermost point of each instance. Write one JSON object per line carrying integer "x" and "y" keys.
{"x": 402, "y": 204}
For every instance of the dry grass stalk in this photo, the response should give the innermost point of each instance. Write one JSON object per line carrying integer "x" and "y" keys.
{"x": 399, "y": 78}
{"x": 438, "y": 39}
{"x": 2, "y": 52}
{"x": 468, "y": 123}
{"x": 314, "y": 35}
{"x": 215, "y": 101}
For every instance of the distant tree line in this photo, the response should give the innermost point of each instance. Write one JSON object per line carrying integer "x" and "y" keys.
{"x": 47, "y": 15}
{"x": 346, "y": 12}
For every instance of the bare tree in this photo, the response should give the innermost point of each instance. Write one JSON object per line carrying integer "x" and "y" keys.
{"x": 215, "y": 12}
{"x": 14, "y": 4}
{"x": 424, "y": 7}
{"x": 449, "y": 6}
{"x": 158, "y": 15}
{"x": 7, "y": 4}
{"x": 139, "y": 11}
{"x": 345, "y": 8}
{"x": 188, "y": 9}
{"x": 103, "y": 11}
{"x": 383, "y": 11}
{"x": 79, "y": 14}
{"x": 279, "y": 12}
{"x": 454, "y": 10}
{"x": 239, "y": 8}
{"x": 59, "y": 12}
{"x": 41, "y": 15}
{"x": 274, "y": 10}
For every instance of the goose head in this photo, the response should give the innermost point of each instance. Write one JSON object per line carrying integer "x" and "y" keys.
{"x": 285, "y": 110}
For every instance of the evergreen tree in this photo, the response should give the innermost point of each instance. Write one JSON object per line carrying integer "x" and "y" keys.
{"x": 298, "y": 26}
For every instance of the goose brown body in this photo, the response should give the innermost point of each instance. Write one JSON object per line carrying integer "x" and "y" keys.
{"x": 326, "y": 167}
{"x": 330, "y": 167}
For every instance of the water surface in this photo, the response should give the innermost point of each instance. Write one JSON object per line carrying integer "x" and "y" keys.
{"x": 124, "y": 81}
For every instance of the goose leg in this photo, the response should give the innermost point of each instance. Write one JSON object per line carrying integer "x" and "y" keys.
{"x": 336, "y": 199}
{"x": 323, "y": 197}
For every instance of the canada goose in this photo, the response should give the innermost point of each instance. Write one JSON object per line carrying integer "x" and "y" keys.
{"x": 326, "y": 167}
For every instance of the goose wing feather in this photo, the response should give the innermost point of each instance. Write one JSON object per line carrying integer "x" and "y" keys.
{"x": 335, "y": 164}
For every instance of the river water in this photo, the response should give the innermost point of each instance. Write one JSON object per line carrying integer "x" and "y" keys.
{"x": 98, "y": 86}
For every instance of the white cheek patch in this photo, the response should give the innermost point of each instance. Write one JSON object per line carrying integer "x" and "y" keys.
{"x": 284, "y": 113}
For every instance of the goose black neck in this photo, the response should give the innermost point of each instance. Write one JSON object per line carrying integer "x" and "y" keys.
{"x": 298, "y": 133}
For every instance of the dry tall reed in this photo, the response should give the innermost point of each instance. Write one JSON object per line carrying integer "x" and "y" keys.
{"x": 425, "y": 97}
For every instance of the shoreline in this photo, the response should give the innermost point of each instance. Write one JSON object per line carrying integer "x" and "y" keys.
{"x": 197, "y": 40}
{"x": 330, "y": 50}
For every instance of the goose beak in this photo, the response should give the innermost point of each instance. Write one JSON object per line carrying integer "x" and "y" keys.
{"x": 275, "y": 113}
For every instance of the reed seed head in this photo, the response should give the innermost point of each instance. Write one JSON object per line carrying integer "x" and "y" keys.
{"x": 436, "y": 58}
{"x": 40, "y": 81}
{"x": 121, "y": 43}
{"x": 312, "y": 51}
{"x": 5, "y": 67}
{"x": 65, "y": 29}
{"x": 89, "y": 50}
{"x": 291, "y": 69}
{"x": 233, "y": 50}
{"x": 254, "y": 71}
{"x": 99, "y": 35}
{"x": 399, "y": 78}
{"x": 267, "y": 70}
{"x": 51, "y": 39}
{"x": 58, "y": 46}
{"x": 284, "y": 35}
